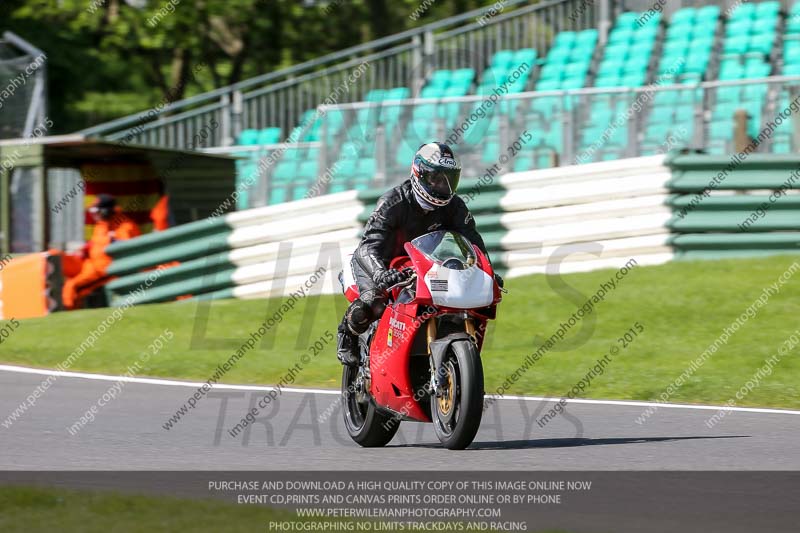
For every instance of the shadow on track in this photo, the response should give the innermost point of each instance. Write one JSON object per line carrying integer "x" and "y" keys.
{"x": 566, "y": 443}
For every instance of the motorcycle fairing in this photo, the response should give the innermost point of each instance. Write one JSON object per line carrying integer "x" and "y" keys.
{"x": 463, "y": 289}
{"x": 389, "y": 378}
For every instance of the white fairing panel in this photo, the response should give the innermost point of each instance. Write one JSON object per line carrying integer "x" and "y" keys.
{"x": 462, "y": 289}
{"x": 348, "y": 279}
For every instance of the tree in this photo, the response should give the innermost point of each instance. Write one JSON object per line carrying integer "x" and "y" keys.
{"x": 108, "y": 58}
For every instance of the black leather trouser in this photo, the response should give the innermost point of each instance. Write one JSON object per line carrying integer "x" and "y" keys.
{"x": 369, "y": 305}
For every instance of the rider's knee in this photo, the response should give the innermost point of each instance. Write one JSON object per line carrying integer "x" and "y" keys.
{"x": 365, "y": 310}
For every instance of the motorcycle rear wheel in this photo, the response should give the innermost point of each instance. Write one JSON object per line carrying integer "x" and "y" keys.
{"x": 365, "y": 425}
{"x": 458, "y": 411}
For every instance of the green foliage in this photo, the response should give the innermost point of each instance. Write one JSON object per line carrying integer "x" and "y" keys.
{"x": 99, "y": 50}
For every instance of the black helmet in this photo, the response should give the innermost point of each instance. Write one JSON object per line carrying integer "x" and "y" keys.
{"x": 435, "y": 173}
{"x": 104, "y": 205}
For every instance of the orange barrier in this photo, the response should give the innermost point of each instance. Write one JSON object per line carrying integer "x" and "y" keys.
{"x": 30, "y": 286}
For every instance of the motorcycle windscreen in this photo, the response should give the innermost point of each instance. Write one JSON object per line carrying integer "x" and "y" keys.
{"x": 469, "y": 288}
{"x": 442, "y": 246}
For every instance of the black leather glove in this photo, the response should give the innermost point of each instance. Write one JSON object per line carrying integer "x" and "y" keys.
{"x": 389, "y": 278}
{"x": 499, "y": 280}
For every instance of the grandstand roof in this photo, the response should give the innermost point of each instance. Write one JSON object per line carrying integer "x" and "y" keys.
{"x": 196, "y": 182}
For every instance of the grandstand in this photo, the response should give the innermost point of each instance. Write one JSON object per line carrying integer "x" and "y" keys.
{"x": 586, "y": 84}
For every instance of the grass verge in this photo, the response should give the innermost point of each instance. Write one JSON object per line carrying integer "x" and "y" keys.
{"x": 34, "y": 510}
{"x": 27, "y": 509}
{"x": 682, "y": 306}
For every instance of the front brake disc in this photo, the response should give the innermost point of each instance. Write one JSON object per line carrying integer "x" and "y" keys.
{"x": 446, "y": 398}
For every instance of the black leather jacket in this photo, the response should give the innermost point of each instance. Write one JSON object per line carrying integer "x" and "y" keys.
{"x": 398, "y": 218}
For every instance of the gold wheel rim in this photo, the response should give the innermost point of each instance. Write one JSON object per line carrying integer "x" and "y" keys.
{"x": 446, "y": 399}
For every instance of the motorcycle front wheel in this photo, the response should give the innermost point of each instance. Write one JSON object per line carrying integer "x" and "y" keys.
{"x": 458, "y": 408}
{"x": 365, "y": 425}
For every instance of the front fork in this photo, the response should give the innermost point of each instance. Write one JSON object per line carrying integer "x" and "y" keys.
{"x": 436, "y": 384}
{"x": 439, "y": 379}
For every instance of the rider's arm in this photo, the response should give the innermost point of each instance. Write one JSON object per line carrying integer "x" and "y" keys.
{"x": 463, "y": 222}
{"x": 379, "y": 234}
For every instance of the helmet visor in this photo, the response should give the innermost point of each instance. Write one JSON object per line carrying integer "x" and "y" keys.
{"x": 441, "y": 183}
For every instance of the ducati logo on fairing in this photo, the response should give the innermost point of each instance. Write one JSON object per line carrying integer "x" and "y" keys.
{"x": 394, "y": 324}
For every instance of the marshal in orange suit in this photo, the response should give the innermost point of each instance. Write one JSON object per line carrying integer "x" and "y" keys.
{"x": 110, "y": 225}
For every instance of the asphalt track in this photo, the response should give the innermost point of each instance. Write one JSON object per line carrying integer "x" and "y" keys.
{"x": 294, "y": 433}
{"x": 301, "y": 434}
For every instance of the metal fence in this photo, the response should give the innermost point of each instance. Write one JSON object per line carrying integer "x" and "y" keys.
{"x": 279, "y": 99}
{"x": 23, "y": 78}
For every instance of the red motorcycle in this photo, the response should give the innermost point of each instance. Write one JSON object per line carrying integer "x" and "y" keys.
{"x": 421, "y": 361}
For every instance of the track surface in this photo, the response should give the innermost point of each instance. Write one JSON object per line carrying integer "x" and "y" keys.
{"x": 127, "y": 434}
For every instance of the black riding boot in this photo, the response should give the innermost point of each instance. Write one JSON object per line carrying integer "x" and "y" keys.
{"x": 347, "y": 346}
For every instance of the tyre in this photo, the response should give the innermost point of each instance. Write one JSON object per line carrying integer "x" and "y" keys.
{"x": 458, "y": 410}
{"x": 365, "y": 425}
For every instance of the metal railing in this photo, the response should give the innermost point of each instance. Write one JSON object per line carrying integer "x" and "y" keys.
{"x": 402, "y": 60}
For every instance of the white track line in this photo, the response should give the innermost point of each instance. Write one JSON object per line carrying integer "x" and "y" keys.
{"x": 152, "y": 381}
{"x": 192, "y": 384}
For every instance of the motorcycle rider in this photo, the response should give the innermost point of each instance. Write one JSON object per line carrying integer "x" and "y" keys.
{"x": 423, "y": 203}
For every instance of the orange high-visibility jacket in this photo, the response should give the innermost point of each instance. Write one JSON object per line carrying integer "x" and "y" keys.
{"x": 119, "y": 228}
{"x": 160, "y": 214}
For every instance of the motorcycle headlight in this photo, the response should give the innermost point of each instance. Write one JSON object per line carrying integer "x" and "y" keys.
{"x": 454, "y": 264}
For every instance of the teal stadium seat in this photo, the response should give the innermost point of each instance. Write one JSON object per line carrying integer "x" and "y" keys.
{"x": 551, "y": 71}
{"x": 684, "y": 115}
{"x": 685, "y": 58}
{"x": 248, "y": 137}
{"x": 406, "y": 151}
{"x": 757, "y": 70}
{"x": 344, "y": 169}
{"x": 706, "y": 14}
{"x": 374, "y": 95}
{"x": 565, "y": 38}
{"x": 791, "y": 54}
{"x": 491, "y": 151}
{"x": 366, "y": 169}
{"x": 608, "y": 81}
{"x": 502, "y": 59}
{"x": 523, "y": 162}
{"x": 793, "y": 22}
{"x": 686, "y": 15}
{"x": 628, "y": 19}
{"x": 439, "y": 78}
{"x": 567, "y": 62}
{"x": 620, "y": 35}
{"x": 284, "y": 171}
{"x": 307, "y": 170}
{"x": 721, "y": 130}
{"x": 525, "y": 56}
{"x": 270, "y": 136}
